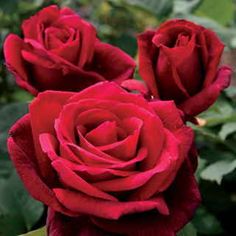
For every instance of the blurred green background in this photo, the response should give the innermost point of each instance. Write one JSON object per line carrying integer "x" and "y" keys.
{"x": 118, "y": 22}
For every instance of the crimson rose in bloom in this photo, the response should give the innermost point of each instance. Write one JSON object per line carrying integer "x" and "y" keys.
{"x": 179, "y": 61}
{"x": 106, "y": 162}
{"x": 60, "y": 51}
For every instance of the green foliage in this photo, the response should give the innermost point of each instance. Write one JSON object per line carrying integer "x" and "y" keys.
{"x": 206, "y": 223}
{"x": 18, "y": 211}
{"x": 38, "y": 232}
{"x": 216, "y": 171}
{"x": 188, "y": 230}
{"x": 160, "y": 8}
{"x": 220, "y": 11}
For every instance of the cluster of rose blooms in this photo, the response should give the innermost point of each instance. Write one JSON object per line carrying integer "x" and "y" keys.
{"x": 106, "y": 160}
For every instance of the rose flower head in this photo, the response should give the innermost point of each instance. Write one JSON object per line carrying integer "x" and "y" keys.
{"x": 179, "y": 61}
{"x": 107, "y": 162}
{"x": 60, "y": 51}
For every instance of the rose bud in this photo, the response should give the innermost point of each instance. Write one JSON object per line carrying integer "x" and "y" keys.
{"x": 107, "y": 161}
{"x": 179, "y": 61}
{"x": 60, "y": 51}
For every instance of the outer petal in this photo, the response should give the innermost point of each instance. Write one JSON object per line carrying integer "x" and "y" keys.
{"x": 112, "y": 63}
{"x": 215, "y": 49}
{"x": 168, "y": 113}
{"x": 15, "y": 63}
{"x": 201, "y": 101}
{"x": 61, "y": 225}
{"x": 41, "y": 122}
{"x": 32, "y": 27}
{"x": 183, "y": 198}
{"x": 110, "y": 210}
{"x": 21, "y": 149}
{"x": 146, "y": 54}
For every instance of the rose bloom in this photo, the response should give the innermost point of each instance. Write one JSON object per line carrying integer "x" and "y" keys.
{"x": 179, "y": 61}
{"x": 107, "y": 162}
{"x": 60, "y": 51}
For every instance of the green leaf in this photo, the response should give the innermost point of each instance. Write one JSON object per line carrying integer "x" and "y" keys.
{"x": 227, "y": 129}
{"x": 217, "y": 170}
{"x": 188, "y": 230}
{"x": 160, "y": 8}
{"x": 39, "y": 232}
{"x": 185, "y": 6}
{"x": 220, "y": 113}
{"x": 220, "y": 11}
{"x": 9, "y": 115}
{"x": 18, "y": 211}
{"x": 8, "y": 6}
{"x": 206, "y": 223}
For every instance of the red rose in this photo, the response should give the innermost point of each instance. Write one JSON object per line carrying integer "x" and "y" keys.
{"x": 179, "y": 61}
{"x": 109, "y": 160}
{"x": 60, "y": 51}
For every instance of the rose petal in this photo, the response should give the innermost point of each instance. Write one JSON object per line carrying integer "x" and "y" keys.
{"x": 103, "y": 134}
{"x": 146, "y": 52}
{"x": 107, "y": 209}
{"x": 182, "y": 198}
{"x": 169, "y": 114}
{"x": 112, "y": 63}
{"x": 12, "y": 51}
{"x": 162, "y": 171}
{"x": 62, "y": 225}
{"x": 202, "y": 100}
{"x": 51, "y": 103}
{"x": 215, "y": 49}
{"x": 22, "y": 153}
{"x": 73, "y": 181}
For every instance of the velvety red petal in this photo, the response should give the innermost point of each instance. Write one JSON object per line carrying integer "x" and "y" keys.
{"x": 183, "y": 198}
{"x": 62, "y": 225}
{"x": 22, "y": 153}
{"x": 186, "y": 61}
{"x": 95, "y": 174}
{"x": 12, "y": 51}
{"x": 168, "y": 113}
{"x": 135, "y": 85}
{"x": 202, "y": 100}
{"x": 112, "y": 63}
{"x": 68, "y": 51}
{"x": 168, "y": 80}
{"x": 49, "y": 103}
{"x": 88, "y": 36}
{"x": 103, "y": 134}
{"x": 107, "y": 209}
{"x": 215, "y": 49}
{"x": 111, "y": 91}
{"x": 74, "y": 181}
{"x": 146, "y": 53}
{"x": 126, "y": 148}
{"x": 31, "y": 27}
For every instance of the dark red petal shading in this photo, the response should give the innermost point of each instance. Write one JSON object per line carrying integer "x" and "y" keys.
{"x": 62, "y": 225}
{"x": 31, "y": 27}
{"x": 146, "y": 55}
{"x": 202, "y": 100}
{"x": 214, "y": 49}
{"x": 169, "y": 114}
{"x": 15, "y": 63}
{"x": 43, "y": 111}
{"x": 22, "y": 153}
{"x": 111, "y": 210}
{"x": 112, "y": 63}
{"x": 182, "y": 198}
